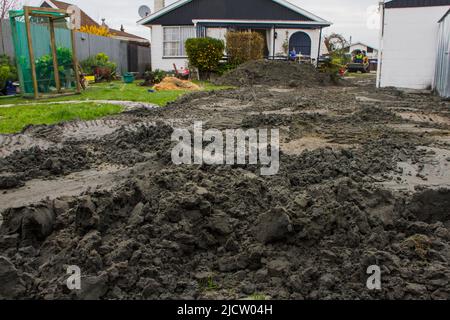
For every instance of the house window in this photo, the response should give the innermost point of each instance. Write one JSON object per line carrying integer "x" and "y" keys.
{"x": 369, "y": 50}
{"x": 174, "y": 39}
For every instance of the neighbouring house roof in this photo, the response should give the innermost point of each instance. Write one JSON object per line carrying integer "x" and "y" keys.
{"x": 416, "y": 3}
{"x": 86, "y": 20}
{"x": 184, "y": 12}
{"x": 360, "y": 43}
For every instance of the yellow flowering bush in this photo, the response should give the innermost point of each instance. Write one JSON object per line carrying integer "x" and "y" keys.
{"x": 98, "y": 31}
{"x": 205, "y": 53}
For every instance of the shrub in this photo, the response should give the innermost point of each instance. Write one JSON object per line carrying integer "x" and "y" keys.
{"x": 44, "y": 68}
{"x": 101, "y": 66}
{"x": 244, "y": 46}
{"x": 204, "y": 53}
{"x": 334, "y": 65}
{"x": 4, "y": 73}
{"x": 224, "y": 68}
{"x": 8, "y": 71}
{"x": 153, "y": 77}
{"x": 96, "y": 30}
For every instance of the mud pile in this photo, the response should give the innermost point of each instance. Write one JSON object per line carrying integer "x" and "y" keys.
{"x": 162, "y": 231}
{"x": 267, "y": 72}
{"x": 171, "y": 234}
{"x": 127, "y": 146}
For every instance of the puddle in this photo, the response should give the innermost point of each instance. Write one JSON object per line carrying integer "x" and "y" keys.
{"x": 86, "y": 130}
{"x": 290, "y": 111}
{"x": 425, "y": 118}
{"x": 34, "y": 191}
{"x": 15, "y": 142}
{"x": 281, "y": 90}
{"x": 432, "y": 172}
{"x": 224, "y": 105}
{"x": 413, "y": 128}
{"x": 296, "y": 147}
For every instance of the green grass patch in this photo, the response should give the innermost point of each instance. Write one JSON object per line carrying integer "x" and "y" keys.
{"x": 14, "y": 119}
{"x": 118, "y": 90}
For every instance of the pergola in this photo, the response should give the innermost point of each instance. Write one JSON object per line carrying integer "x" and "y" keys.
{"x": 45, "y": 50}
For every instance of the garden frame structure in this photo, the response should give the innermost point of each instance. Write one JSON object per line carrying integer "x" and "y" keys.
{"x": 53, "y": 16}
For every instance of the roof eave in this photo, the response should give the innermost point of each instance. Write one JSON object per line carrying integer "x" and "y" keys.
{"x": 163, "y": 11}
{"x": 284, "y": 3}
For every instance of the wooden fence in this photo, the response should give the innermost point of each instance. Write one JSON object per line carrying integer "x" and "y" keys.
{"x": 89, "y": 45}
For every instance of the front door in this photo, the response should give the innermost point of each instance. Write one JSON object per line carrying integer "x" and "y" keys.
{"x": 301, "y": 43}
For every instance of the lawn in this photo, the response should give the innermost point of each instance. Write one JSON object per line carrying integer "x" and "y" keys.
{"x": 119, "y": 91}
{"x": 14, "y": 119}
{"x": 25, "y": 112}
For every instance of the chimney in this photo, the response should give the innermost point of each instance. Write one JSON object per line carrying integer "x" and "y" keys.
{"x": 159, "y": 4}
{"x": 122, "y": 28}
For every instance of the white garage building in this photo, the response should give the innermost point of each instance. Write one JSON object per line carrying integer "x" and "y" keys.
{"x": 409, "y": 43}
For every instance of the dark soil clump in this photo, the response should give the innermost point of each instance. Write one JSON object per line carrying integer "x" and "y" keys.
{"x": 267, "y": 72}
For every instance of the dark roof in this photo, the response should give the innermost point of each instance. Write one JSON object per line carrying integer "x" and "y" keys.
{"x": 416, "y": 3}
{"x": 86, "y": 20}
{"x": 124, "y": 34}
{"x": 183, "y": 12}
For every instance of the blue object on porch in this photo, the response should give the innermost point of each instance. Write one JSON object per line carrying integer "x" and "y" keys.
{"x": 292, "y": 55}
{"x": 10, "y": 88}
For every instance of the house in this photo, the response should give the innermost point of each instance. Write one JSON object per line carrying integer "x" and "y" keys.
{"x": 442, "y": 76}
{"x": 408, "y": 42}
{"x": 86, "y": 20}
{"x": 372, "y": 53}
{"x": 282, "y": 24}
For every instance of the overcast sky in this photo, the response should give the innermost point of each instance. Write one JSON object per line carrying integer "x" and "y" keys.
{"x": 349, "y": 17}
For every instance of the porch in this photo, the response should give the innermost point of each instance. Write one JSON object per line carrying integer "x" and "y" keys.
{"x": 280, "y": 38}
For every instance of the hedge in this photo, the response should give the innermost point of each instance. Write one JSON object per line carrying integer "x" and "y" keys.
{"x": 244, "y": 46}
{"x": 204, "y": 53}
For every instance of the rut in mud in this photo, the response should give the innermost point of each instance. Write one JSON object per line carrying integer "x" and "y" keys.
{"x": 158, "y": 231}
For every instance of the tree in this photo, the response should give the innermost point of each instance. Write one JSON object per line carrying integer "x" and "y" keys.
{"x": 5, "y": 6}
{"x": 335, "y": 42}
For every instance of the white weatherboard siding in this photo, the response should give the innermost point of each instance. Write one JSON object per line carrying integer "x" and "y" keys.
{"x": 158, "y": 60}
{"x": 409, "y": 47}
{"x": 284, "y": 34}
{"x": 217, "y": 33}
{"x": 166, "y": 63}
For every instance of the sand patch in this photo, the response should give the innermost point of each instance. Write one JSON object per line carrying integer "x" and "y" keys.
{"x": 296, "y": 147}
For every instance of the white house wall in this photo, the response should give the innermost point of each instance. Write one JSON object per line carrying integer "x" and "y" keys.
{"x": 409, "y": 47}
{"x": 217, "y": 33}
{"x": 158, "y": 61}
{"x": 284, "y": 34}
